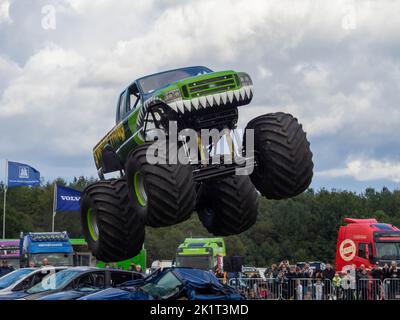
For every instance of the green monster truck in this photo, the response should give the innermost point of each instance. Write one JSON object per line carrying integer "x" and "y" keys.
{"x": 114, "y": 212}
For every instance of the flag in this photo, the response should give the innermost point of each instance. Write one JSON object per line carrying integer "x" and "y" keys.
{"x": 67, "y": 199}
{"x": 20, "y": 174}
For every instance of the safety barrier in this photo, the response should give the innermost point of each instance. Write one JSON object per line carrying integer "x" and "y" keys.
{"x": 391, "y": 289}
{"x": 307, "y": 289}
{"x": 257, "y": 288}
{"x": 317, "y": 289}
{"x": 363, "y": 289}
{"x": 283, "y": 289}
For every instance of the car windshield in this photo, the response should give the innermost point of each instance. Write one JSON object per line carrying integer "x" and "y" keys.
{"x": 55, "y": 259}
{"x": 200, "y": 262}
{"x": 165, "y": 287}
{"x": 159, "y": 80}
{"x": 54, "y": 281}
{"x": 387, "y": 250}
{"x": 13, "y": 277}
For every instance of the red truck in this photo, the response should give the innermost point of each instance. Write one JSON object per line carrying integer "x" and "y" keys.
{"x": 366, "y": 241}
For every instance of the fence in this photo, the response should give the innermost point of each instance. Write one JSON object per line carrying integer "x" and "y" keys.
{"x": 317, "y": 289}
{"x": 279, "y": 289}
{"x": 257, "y": 288}
{"x": 391, "y": 289}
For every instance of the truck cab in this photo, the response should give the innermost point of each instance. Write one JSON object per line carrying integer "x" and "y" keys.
{"x": 9, "y": 252}
{"x": 55, "y": 246}
{"x": 201, "y": 253}
{"x": 366, "y": 241}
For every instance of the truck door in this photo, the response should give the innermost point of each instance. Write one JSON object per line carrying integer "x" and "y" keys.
{"x": 365, "y": 251}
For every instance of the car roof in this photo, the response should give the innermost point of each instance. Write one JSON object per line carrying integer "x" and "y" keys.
{"x": 84, "y": 268}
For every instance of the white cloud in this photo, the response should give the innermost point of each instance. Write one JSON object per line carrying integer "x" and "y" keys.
{"x": 363, "y": 169}
{"x": 342, "y": 84}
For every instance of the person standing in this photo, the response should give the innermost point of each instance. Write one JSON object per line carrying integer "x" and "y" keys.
{"x": 394, "y": 280}
{"x": 299, "y": 290}
{"x": 328, "y": 275}
{"x": 5, "y": 268}
{"x": 139, "y": 268}
{"x": 132, "y": 267}
{"x": 362, "y": 285}
{"x": 291, "y": 276}
{"x": 377, "y": 278}
{"x": 336, "y": 282}
{"x": 318, "y": 289}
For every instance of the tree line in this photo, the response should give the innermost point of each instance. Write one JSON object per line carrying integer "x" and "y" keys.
{"x": 298, "y": 229}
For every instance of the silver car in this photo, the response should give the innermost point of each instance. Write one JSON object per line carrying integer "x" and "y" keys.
{"x": 23, "y": 279}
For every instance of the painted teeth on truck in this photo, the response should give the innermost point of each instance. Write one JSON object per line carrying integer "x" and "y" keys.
{"x": 195, "y": 103}
{"x": 203, "y": 102}
{"x": 217, "y": 99}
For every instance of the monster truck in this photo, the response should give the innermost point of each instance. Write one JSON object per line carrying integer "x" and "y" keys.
{"x": 114, "y": 212}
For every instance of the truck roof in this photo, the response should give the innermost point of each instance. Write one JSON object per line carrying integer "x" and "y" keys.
{"x": 47, "y": 242}
{"x": 369, "y": 224}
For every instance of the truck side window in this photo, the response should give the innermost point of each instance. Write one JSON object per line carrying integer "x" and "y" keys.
{"x": 370, "y": 251}
{"x": 121, "y": 106}
{"x": 134, "y": 97}
{"x": 361, "y": 250}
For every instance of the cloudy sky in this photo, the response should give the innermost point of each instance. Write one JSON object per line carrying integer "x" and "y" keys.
{"x": 333, "y": 64}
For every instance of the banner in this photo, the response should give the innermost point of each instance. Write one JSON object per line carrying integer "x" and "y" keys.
{"x": 67, "y": 199}
{"x": 20, "y": 174}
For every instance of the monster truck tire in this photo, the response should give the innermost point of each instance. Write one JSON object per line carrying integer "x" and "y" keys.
{"x": 228, "y": 206}
{"x": 282, "y": 152}
{"x": 163, "y": 194}
{"x": 113, "y": 231}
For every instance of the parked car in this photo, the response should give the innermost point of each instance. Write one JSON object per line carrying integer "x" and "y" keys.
{"x": 171, "y": 284}
{"x": 14, "y": 284}
{"x": 75, "y": 282}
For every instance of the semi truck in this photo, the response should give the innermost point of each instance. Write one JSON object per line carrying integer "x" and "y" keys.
{"x": 9, "y": 252}
{"x": 366, "y": 241}
{"x": 201, "y": 253}
{"x": 36, "y": 246}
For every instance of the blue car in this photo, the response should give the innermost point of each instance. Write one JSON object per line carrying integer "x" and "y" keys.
{"x": 15, "y": 284}
{"x": 76, "y": 282}
{"x": 170, "y": 284}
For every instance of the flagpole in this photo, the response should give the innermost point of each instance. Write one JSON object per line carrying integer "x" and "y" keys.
{"x": 5, "y": 197}
{"x": 54, "y": 205}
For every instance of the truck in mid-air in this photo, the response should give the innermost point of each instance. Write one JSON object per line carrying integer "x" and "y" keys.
{"x": 201, "y": 253}
{"x": 54, "y": 246}
{"x": 367, "y": 241}
{"x": 176, "y": 146}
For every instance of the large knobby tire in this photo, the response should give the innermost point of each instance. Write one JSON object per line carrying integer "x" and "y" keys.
{"x": 282, "y": 152}
{"x": 228, "y": 206}
{"x": 113, "y": 231}
{"x": 163, "y": 194}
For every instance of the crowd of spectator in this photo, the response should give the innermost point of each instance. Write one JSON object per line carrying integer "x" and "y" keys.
{"x": 303, "y": 282}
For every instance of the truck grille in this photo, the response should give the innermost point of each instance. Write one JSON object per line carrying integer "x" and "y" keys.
{"x": 212, "y": 85}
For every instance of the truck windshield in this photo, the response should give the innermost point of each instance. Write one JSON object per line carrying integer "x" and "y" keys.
{"x": 54, "y": 281}
{"x": 159, "y": 80}
{"x": 191, "y": 261}
{"x": 55, "y": 259}
{"x": 387, "y": 250}
{"x": 13, "y": 277}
